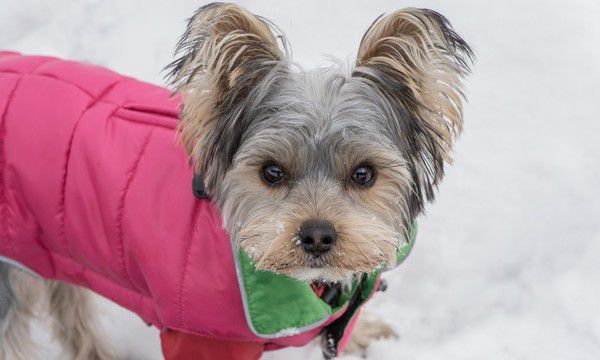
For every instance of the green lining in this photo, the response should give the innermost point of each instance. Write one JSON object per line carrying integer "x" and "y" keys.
{"x": 277, "y": 305}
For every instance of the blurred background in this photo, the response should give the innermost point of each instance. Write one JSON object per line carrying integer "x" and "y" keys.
{"x": 507, "y": 261}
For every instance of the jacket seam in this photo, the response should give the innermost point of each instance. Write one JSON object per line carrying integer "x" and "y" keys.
{"x": 62, "y": 195}
{"x": 3, "y": 186}
{"x": 120, "y": 246}
{"x": 103, "y": 101}
{"x": 186, "y": 262}
{"x": 54, "y": 77}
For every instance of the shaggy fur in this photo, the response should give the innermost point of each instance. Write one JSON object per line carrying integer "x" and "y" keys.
{"x": 24, "y": 298}
{"x": 20, "y": 294}
{"x": 247, "y": 107}
{"x": 398, "y": 111}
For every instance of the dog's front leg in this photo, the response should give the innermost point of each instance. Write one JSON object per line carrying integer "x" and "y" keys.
{"x": 368, "y": 328}
{"x": 74, "y": 323}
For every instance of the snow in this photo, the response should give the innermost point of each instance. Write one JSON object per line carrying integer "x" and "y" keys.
{"x": 288, "y": 332}
{"x": 506, "y": 265}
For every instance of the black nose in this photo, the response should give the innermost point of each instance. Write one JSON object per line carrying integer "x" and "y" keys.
{"x": 317, "y": 236}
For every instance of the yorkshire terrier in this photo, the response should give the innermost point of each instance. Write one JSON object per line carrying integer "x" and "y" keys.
{"x": 339, "y": 162}
{"x": 317, "y": 174}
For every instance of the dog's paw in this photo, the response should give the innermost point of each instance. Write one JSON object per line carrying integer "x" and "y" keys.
{"x": 367, "y": 329}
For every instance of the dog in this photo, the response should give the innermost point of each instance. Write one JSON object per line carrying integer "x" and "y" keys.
{"x": 318, "y": 175}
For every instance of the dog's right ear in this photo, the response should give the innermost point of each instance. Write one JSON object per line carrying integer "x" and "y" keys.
{"x": 224, "y": 54}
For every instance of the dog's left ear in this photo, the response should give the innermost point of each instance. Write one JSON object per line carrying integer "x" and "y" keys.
{"x": 416, "y": 61}
{"x": 225, "y": 55}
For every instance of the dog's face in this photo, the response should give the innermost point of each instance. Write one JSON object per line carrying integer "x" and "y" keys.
{"x": 319, "y": 187}
{"x": 319, "y": 174}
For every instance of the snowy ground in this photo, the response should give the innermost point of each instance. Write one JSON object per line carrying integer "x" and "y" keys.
{"x": 507, "y": 263}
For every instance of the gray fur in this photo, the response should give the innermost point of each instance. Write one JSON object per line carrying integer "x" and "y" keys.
{"x": 319, "y": 125}
{"x": 256, "y": 108}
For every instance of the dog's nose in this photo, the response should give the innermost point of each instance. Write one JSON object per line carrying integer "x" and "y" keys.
{"x": 317, "y": 236}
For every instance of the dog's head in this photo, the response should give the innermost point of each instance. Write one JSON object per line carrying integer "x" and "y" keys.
{"x": 319, "y": 174}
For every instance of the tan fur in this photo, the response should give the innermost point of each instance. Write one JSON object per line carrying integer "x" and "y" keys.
{"x": 398, "y": 113}
{"x": 366, "y": 330}
{"x": 412, "y": 45}
{"x": 73, "y": 322}
{"x": 414, "y": 48}
{"x": 68, "y": 308}
{"x": 17, "y": 342}
{"x": 227, "y": 51}
{"x": 232, "y": 35}
{"x": 366, "y": 237}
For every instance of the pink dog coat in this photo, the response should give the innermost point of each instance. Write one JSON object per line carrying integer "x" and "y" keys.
{"x": 96, "y": 191}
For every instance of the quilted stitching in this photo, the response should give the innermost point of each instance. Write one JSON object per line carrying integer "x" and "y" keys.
{"x": 186, "y": 264}
{"x": 3, "y": 196}
{"x": 61, "y": 203}
{"x": 3, "y": 199}
{"x": 119, "y": 217}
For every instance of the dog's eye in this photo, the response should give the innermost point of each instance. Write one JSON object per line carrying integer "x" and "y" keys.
{"x": 273, "y": 174}
{"x": 364, "y": 175}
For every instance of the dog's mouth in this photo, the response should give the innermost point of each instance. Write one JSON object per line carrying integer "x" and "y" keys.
{"x": 316, "y": 261}
{"x": 316, "y": 254}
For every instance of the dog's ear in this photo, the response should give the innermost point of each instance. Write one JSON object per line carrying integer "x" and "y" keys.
{"x": 223, "y": 56}
{"x": 416, "y": 61}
